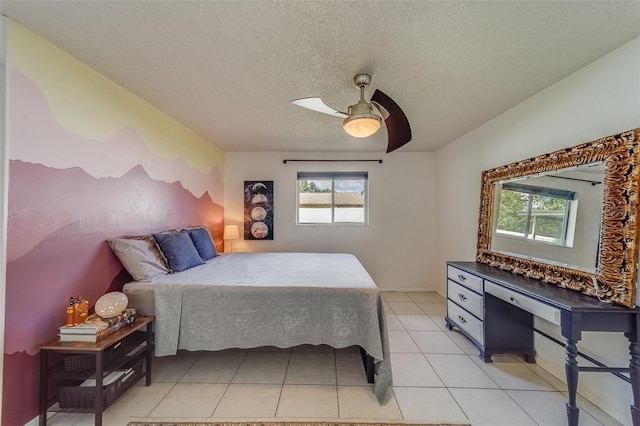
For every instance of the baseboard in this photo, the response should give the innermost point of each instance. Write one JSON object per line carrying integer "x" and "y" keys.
{"x": 408, "y": 290}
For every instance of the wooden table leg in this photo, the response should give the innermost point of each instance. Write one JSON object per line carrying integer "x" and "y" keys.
{"x": 44, "y": 365}
{"x": 634, "y": 373}
{"x": 571, "y": 371}
{"x": 99, "y": 399}
{"x": 149, "y": 358}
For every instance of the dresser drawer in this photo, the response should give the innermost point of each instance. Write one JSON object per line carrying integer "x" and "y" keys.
{"x": 464, "y": 297}
{"x": 466, "y": 279}
{"x": 528, "y": 304}
{"x": 465, "y": 321}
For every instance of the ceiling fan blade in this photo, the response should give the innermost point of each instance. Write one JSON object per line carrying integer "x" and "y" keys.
{"x": 398, "y": 126}
{"x": 382, "y": 110}
{"x": 316, "y": 104}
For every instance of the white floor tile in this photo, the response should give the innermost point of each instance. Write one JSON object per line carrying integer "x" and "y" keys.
{"x": 401, "y": 342}
{"x": 350, "y": 369}
{"x": 413, "y": 370}
{"x": 428, "y": 404}
{"x": 418, "y": 323}
{"x": 596, "y": 412}
{"x": 435, "y": 342}
{"x": 215, "y": 367}
{"x": 358, "y": 402}
{"x": 190, "y": 400}
{"x": 138, "y": 401}
{"x": 249, "y": 400}
{"x": 171, "y": 368}
{"x": 311, "y": 368}
{"x": 393, "y": 323}
{"x": 394, "y": 296}
{"x": 405, "y": 308}
{"x": 548, "y": 408}
{"x": 90, "y": 420}
{"x": 263, "y": 367}
{"x": 547, "y": 376}
{"x": 67, "y": 419}
{"x": 439, "y": 308}
{"x": 463, "y": 342}
{"x": 488, "y": 407}
{"x": 425, "y": 297}
{"x": 438, "y": 319}
{"x": 308, "y": 401}
{"x": 509, "y": 373}
{"x": 459, "y": 371}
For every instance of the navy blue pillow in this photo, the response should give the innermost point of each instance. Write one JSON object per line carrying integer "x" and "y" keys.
{"x": 203, "y": 242}
{"x": 179, "y": 250}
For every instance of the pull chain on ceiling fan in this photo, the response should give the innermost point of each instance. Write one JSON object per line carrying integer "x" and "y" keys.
{"x": 364, "y": 118}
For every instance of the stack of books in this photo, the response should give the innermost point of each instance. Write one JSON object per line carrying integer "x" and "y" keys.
{"x": 96, "y": 327}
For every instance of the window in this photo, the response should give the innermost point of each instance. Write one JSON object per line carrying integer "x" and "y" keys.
{"x": 332, "y": 198}
{"x": 537, "y": 213}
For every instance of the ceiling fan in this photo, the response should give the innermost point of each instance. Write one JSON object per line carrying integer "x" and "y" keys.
{"x": 364, "y": 118}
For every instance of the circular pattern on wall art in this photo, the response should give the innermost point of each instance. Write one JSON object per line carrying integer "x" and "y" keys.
{"x": 258, "y": 213}
{"x": 259, "y": 230}
{"x": 259, "y": 198}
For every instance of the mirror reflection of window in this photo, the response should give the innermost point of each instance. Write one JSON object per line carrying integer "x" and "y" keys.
{"x": 537, "y": 214}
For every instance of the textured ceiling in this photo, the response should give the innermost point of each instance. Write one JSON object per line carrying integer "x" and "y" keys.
{"x": 229, "y": 70}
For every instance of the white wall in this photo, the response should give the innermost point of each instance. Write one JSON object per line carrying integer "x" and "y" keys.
{"x": 601, "y": 99}
{"x": 398, "y": 246}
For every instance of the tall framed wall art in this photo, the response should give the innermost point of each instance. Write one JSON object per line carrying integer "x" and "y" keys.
{"x": 258, "y": 210}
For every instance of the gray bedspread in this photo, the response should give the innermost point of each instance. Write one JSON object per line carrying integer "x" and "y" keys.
{"x": 246, "y": 300}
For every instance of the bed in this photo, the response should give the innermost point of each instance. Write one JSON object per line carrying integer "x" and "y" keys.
{"x": 247, "y": 300}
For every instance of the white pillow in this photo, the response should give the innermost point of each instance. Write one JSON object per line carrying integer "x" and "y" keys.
{"x": 140, "y": 257}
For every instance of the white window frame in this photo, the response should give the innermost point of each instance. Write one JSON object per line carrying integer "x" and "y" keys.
{"x": 569, "y": 214}
{"x": 333, "y": 176}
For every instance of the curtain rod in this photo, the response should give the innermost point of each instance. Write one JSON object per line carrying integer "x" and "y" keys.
{"x": 592, "y": 182}
{"x": 285, "y": 161}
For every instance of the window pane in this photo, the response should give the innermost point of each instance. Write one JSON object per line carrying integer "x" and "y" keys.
{"x": 547, "y": 219}
{"x": 335, "y": 197}
{"x": 314, "y": 215}
{"x": 315, "y": 201}
{"x": 349, "y": 201}
{"x": 512, "y": 214}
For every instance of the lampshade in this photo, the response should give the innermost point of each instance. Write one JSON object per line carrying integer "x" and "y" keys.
{"x": 361, "y": 122}
{"x": 231, "y": 232}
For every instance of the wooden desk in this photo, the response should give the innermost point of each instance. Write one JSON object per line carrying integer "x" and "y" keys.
{"x": 506, "y": 321}
{"x": 98, "y": 350}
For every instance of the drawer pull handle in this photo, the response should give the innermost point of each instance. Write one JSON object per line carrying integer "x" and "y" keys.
{"x": 462, "y": 320}
{"x": 462, "y": 277}
{"x": 462, "y": 297}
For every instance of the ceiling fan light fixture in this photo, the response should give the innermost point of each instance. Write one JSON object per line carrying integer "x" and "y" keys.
{"x": 361, "y": 127}
{"x": 361, "y": 122}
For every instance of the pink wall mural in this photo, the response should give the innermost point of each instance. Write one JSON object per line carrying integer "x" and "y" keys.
{"x": 67, "y": 195}
{"x": 73, "y": 259}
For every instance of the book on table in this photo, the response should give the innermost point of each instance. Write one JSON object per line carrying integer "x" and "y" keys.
{"x": 96, "y": 327}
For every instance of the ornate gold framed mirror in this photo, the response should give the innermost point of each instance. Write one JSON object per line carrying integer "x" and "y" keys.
{"x": 613, "y": 277}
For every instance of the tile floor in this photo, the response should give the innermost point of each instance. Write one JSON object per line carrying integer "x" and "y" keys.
{"x": 437, "y": 377}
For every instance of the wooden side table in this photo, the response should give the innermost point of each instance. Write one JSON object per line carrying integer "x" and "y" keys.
{"x": 142, "y": 352}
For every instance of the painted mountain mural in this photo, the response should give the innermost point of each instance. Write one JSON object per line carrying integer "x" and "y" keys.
{"x": 89, "y": 161}
{"x": 63, "y": 218}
